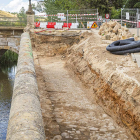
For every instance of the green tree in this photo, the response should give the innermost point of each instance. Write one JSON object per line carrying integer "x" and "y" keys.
{"x": 104, "y": 6}
{"x": 137, "y": 5}
{"x": 22, "y": 16}
{"x": 132, "y": 4}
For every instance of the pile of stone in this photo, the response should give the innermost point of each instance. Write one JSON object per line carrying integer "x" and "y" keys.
{"x": 112, "y": 30}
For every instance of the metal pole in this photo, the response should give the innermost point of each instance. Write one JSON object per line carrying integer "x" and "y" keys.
{"x": 76, "y": 18}
{"x": 67, "y": 18}
{"x": 137, "y": 22}
{"x": 121, "y": 16}
{"x": 97, "y": 17}
{"x": 51, "y": 19}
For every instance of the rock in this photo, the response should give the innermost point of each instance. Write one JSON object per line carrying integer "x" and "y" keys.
{"x": 107, "y": 37}
{"x": 57, "y": 137}
{"x": 104, "y": 116}
{"x": 93, "y": 129}
{"x": 129, "y": 35}
{"x": 106, "y": 32}
{"x": 136, "y": 38}
{"x": 103, "y": 37}
{"x": 112, "y": 24}
{"x": 110, "y": 29}
{"x": 124, "y": 35}
{"x": 112, "y": 35}
{"x": 78, "y": 132}
{"x": 48, "y": 102}
{"x": 103, "y": 129}
{"x": 115, "y": 38}
{"x": 72, "y": 126}
{"x": 117, "y": 26}
{"x": 111, "y": 128}
{"x": 64, "y": 134}
{"x": 119, "y": 31}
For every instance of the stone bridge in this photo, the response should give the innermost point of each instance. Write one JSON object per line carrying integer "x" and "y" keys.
{"x": 10, "y": 39}
{"x": 9, "y": 43}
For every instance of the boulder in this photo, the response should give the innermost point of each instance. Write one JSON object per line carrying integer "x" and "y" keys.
{"x": 103, "y": 37}
{"x": 117, "y": 26}
{"x": 107, "y": 37}
{"x": 112, "y": 35}
{"x": 115, "y": 38}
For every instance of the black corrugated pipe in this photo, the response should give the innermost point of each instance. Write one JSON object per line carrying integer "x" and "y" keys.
{"x": 124, "y": 46}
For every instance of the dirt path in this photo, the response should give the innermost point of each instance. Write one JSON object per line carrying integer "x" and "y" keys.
{"x": 67, "y": 112}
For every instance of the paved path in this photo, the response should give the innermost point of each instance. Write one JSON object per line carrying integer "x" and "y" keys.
{"x": 68, "y": 113}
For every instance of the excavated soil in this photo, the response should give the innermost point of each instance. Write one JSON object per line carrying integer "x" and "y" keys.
{"x": 75, "y": 75}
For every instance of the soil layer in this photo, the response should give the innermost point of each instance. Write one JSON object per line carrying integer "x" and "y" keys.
{"x": 68, "y": 105}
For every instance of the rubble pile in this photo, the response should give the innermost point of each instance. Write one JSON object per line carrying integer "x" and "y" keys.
{"x": 113, "y": 31}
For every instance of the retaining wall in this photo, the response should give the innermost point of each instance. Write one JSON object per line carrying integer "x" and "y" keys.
{"x": 25, "y": 120}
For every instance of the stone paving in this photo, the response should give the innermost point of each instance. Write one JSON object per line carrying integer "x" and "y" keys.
{"x": 67, "y": 112}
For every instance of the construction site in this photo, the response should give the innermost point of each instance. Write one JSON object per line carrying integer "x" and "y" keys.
{"x": 85, "y": 91}
{"x": 77, "y": 75}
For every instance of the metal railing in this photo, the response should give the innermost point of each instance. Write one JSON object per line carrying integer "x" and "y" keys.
{"x": 13, "y": 21}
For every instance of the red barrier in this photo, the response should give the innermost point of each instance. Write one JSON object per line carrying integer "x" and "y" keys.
{"x": 37, "y": 24}
{"x": 65, "y": 25}
{"x": 138, "y": 24}
{"x": 51, "y": 24}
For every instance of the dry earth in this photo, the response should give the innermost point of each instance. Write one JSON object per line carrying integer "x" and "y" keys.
{"x": 69, "y": 106}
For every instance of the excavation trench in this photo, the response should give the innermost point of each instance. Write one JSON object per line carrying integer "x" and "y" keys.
{"x": 85, "y": 92}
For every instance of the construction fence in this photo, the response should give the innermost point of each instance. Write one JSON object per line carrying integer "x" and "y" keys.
{"x": 130, "y": 17}
{"x": 86, "y": 18}
{"x": 70, "y": 18}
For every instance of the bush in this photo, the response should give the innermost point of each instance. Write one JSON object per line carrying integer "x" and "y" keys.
{"x": 137, "y": 5}
{"x": 8, "y": 57}
{"x": 115, "y": 14}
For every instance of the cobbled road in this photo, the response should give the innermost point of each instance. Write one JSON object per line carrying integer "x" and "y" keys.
{"x": 68, "y": 113}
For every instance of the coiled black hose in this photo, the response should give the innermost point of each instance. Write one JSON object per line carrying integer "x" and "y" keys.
{"x": 124, "y": 46}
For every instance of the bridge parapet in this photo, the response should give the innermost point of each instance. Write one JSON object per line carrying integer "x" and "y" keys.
{"x": 25, "y": 121}
{"x": 13, "y": 49}
{"x": 11, "y": 43}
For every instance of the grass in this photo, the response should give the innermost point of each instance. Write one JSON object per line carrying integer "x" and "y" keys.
{"x": 6, "y": 14}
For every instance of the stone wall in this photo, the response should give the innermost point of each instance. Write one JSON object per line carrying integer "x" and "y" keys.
{"x": 25, "y": 120}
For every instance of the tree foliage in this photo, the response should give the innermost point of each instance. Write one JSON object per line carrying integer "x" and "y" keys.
{"x": 132, "y": 4}
{"x": 137, "y": 5}
{"x": 22, "y": 16}
{"x": 104, "y": 6}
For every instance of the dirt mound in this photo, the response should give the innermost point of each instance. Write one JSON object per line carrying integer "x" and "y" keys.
{"x": 113, "y": 31}
{"x": 55, "y": 42}
{"x": 113, "y": 80}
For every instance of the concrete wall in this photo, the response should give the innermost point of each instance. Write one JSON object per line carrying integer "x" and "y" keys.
{"x": 25, "y": 120}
